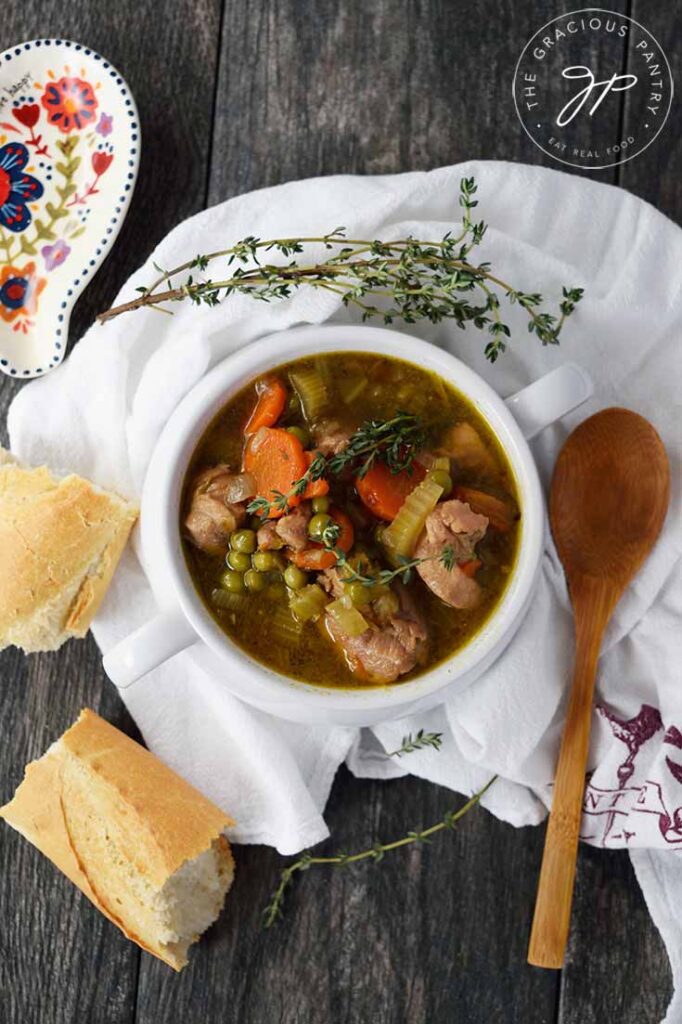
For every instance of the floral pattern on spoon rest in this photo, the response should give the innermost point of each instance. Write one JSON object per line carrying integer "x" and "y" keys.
{"x": 69, "y": 153}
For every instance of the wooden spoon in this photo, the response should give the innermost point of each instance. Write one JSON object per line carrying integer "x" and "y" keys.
{"x": 608, "y": 500}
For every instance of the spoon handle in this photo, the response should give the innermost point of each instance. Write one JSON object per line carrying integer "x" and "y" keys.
{"x": 552, "y": 918}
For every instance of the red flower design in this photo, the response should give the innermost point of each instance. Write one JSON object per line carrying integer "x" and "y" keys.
{"x": 101, "y": 162}
{"x": 27, "y": 115}
{"x": 19, "y": 291}
{"x": 70, "y": 103}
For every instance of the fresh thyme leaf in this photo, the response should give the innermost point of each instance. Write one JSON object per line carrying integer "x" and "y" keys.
{"x": 419, "y": 837}
{"x": 330, "y": 535}
{"x": 383, "y": 577}
{"x": 259, "y": 507}
{"x": 375, "y": 853}
{"x": 447, "y": 557}
{"x": 422, "y": 739}
{"x": 200, "y": 262}
{"x": 263, "y": 507}
{"x": 395, "y": 442}
{"x": 407, "y": 279}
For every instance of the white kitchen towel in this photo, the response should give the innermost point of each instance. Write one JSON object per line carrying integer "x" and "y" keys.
{"x": 102, "y": 411}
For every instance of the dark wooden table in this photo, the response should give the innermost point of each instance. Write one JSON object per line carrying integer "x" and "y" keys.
{"x": 234, "y": 95}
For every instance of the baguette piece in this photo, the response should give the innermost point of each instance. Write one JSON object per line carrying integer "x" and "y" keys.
{"x": 142, "y": 844}
{"x": 60, "y": 542}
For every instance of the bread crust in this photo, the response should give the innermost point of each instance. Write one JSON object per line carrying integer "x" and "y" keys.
{"x": 60, "y": 542}
{"x": 160, "y": 820}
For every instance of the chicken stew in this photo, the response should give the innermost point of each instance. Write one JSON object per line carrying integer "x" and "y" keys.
{"x": 350, "y": 520}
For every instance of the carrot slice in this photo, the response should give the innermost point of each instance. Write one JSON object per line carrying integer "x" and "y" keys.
{"x": 315, "y": 488}
{"x": 317, "y": 557}
{"x": 383, "y": 492}
{"x": 500, "y": 513}
{"x": 470, "y": 568}
{"x": 275, "y": 459}
{"x": 272, "y": 396}
{"x": 313, "y": 559}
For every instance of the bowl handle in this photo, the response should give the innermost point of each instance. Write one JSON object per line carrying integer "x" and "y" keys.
{"x": 146, "y": 648}
{"x": 549, "y": 398}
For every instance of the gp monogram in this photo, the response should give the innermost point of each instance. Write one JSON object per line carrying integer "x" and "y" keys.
{"x": 568, "y": 82}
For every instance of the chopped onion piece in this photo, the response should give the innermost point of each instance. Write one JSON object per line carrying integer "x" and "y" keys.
{"x": 347, "y": 617}
{"x": 240, "y": 487}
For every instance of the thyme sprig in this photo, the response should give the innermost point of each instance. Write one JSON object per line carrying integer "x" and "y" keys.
{"x": 395, "y": 442}
{"x": 264, "y": 508}
{"x": 418, "y": 280}
{"x": 422, "y": 739}
{"x": 403, "y": 571}
{"x": 273, "y": 912}
{"x": 352, "y": 574}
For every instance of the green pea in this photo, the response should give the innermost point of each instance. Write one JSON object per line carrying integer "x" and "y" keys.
{"x": 318, "y": 524}
{"x": 232, "y": 581}
{"x": 443, "y": 479}
{"x": 243, "y": 541}
{"x": 301, "y": 433}
{"x": 254, "y": 580}
{"x": 265, "y": 561}
{"x": 359, "y": 594}
{"x": 321, "y": 504}
{"x": 295, "y": 577}
{"x": 239, "y": 561}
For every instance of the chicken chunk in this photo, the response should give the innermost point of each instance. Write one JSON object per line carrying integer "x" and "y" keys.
{"x": 267, "y": 537}
{"x": 212, "y": 517}
{"x": 391, "y": 646}
{"x": 289, "y": 531}
{"x": 331, "y": 437}
{"x": 453, "y": 524}
{"x": 464, "y": 443}
{"x": 293, "y": 527}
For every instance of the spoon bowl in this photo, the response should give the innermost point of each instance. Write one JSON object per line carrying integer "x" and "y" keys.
{"x": 609, "y": 498}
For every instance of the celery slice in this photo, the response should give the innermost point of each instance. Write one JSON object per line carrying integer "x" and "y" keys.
{"x": 311, "y": 390}
{"x": 402, "y": 534}
{"x": 228, "y": 601}
{"x": 347, "y": 617}
{"x": 285, "y": 628}
{"x": 308, "y": 603}
{"x": 442, "y": 462}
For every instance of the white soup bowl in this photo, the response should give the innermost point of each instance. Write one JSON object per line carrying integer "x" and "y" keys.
{"x": 183, "y": 620}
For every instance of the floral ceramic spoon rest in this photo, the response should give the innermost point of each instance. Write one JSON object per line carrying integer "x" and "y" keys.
{"x": 69, "y": 152}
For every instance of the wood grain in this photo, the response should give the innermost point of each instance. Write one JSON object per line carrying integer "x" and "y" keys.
{"x": 437, "y": 934}
{"x": 60, "y": 962}
{"x": 655, "y": 175}
{"x": 616, "y": 968}
{"x": 327, "y": 88}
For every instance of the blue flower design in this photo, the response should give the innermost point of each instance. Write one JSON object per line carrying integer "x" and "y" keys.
{"x": 17, "y": 189}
